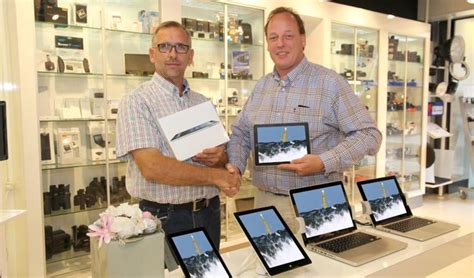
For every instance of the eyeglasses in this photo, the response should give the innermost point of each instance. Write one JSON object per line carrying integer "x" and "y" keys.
{"x": 179, "y": 47}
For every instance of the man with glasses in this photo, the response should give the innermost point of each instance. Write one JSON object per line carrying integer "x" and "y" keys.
{"x": 185, "y": 194}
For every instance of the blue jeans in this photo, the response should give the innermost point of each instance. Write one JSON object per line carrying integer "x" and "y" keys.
{"x": 176, "y": 219}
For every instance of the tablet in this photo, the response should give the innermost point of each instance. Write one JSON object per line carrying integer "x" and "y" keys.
{"x": 280, "y": 143}
{"x": 197, "y": 255}
{"x": 272, "y": 240}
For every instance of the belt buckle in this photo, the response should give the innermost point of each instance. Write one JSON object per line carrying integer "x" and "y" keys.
{"x": 197, "y": 204}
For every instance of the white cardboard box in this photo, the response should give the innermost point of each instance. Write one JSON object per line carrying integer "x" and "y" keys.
{"x": 190, "y": 131}
{"x": 69, "y": 145}
{"x": 142, "y": 258}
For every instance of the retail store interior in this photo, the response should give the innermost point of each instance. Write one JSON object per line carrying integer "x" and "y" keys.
{"x": 65, "y": 65}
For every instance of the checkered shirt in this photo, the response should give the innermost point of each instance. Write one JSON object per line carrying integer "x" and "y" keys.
{"x": 137, "y": 128}
{"x": 340, "y": 128}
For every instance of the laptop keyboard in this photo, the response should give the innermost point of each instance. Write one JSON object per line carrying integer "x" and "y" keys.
{"x": 409, "y": 224}
{"x": 351, "y": 241}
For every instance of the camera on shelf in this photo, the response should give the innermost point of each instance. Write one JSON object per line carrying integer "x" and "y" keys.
{"x": 118, "y": 191}
{"x": 81, "y": 241}
{"x": 83, "y": 200}
{"x": 56, "y": 241}
{"x": 199, "y": 74}
{"x": 57, "y": 198}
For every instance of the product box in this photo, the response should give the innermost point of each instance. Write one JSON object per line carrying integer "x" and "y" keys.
{"x": 112, "y": 108}
{"x": 190, "y": 131}
{"x": 137, "y": 257}
{"x": 98, "y": 103}
{"x": 46, "y": 61}
{"x": 70, "y": 109}
{"x": 47, "y": 146}
{"x": 96, "y": 136}
{"x": 68, "y": 145}
{"x": 80, "y": 13}
{"x": 149, "y": 21}
{"x": 70, "y": 52}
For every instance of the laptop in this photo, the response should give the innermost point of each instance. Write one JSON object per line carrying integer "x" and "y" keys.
{"x": 330, "y": 230}
{"x": 391, "y": 213}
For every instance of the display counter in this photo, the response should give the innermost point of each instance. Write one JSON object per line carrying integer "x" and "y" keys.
{"x": 419, "y": 259}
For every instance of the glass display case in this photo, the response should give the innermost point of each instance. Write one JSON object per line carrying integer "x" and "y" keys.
{"x": 228, "y": 61}
{"x": 354, "y": 55}
{"x": 404, "y": 110}
{"x": 88, "y": 55}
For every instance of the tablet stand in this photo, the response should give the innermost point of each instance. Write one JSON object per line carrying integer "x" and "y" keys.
{"x": 363, "y": 216}
{"x": 252, "y": 261}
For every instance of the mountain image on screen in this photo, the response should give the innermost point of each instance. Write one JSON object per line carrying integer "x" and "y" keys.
{"x": 205, "y": 265}
{"x": 387, "y": 207}
{"x": 281, "y": 151}
{"x": 326, "y": 220}
{"x": 278, "y": 248}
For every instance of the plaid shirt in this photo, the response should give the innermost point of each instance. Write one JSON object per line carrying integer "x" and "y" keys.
{"x": 137, "y": 128}
{"x": 340, "y": 128}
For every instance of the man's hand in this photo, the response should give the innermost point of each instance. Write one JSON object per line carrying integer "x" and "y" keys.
{"x": 307, "y": 165}
{"x": 233, "y": 190}
{"x": 212, "y": 157}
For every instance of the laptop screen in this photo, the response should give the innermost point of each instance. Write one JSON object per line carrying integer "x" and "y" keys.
{"x": 324, "y": 209}
{"x": 384, "y": 197}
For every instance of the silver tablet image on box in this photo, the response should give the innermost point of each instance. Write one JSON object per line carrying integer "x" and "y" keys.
{"x": 192, "y": 130}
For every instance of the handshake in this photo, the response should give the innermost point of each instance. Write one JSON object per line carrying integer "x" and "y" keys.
{"x": 228, "y": 179}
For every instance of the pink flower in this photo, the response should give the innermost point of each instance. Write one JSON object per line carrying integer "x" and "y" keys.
{"x": 105, "y": 232}
{"x": 147, "y": 215}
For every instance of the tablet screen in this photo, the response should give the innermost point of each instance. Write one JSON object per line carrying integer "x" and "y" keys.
{"x": 280, "y": 143}
{"x": 197, "y": 255}
{"x": 272, "y": 240}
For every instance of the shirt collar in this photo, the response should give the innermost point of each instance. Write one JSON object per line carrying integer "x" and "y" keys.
{"x": 170, "y": 87}
{"x": 293, "y": 74}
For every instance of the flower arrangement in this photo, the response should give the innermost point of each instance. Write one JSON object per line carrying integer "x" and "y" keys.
{"x": 122, "y": 222}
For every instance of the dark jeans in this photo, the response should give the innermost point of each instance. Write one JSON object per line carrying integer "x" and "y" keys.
{"x": 175, "y": 219}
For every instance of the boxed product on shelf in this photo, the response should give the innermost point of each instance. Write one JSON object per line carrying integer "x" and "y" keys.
{"x": 149, "y": 21}
{"x": 97, "y": 103}
{"x": 70, "y": 108}
{"x": 112, "y": 108}
{"x": 47, "y": 146}
{"x": 46, "y": 61}
{"x": 80, "y": 13}
{"x": 70, "y": 52}
{"x": 68, "y": 145}
{"x": 96, "y": 134}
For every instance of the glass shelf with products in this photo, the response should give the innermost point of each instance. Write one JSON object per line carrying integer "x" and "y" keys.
{"x": 85, "y": 164}
{"x": 405, "y": 82}
{"x": 354, "y": 55}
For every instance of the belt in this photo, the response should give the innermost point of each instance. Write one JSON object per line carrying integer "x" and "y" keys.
{"x": 196, "y": 205}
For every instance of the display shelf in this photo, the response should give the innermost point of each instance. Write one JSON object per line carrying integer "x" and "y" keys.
{"x": 63, "y": 212}
{"x": 51, "y": 74}
{"x": 127, "y": 32}
{"x": 86, "y": 164}
{"x": 66, "y": 27}
{"x": 67, "y": 255}
{"x": 73, "y": 120}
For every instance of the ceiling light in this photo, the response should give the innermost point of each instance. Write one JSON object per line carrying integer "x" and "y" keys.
{"x": 391, "y": 16}
{"x": 470, "y": 1}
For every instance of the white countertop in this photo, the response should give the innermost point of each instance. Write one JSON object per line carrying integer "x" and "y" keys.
{"x": 454, "y": 210}
{"x": 9, "y": 214}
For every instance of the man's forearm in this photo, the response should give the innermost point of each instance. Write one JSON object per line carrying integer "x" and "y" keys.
{"x": 165, "y": 170}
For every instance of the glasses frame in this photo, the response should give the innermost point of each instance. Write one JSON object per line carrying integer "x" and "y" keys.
{"x": 171, "y": 46}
